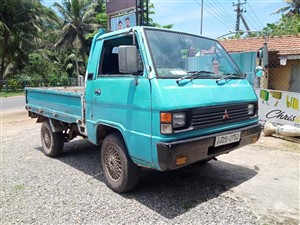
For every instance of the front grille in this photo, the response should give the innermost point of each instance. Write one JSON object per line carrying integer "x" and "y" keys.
{"x": 218, "y": 115}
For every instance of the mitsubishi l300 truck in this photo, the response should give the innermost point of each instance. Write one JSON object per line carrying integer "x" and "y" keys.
{"x": 153, "y": 98}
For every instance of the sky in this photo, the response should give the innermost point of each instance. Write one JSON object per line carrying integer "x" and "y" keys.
{"x": 219, "y": 17}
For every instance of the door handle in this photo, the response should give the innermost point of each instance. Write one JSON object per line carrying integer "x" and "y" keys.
{"x": 97, "y": 92}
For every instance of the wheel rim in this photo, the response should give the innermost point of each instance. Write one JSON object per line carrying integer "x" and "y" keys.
{"x": 113, "y": 163}
{"x": 47, "y": 138}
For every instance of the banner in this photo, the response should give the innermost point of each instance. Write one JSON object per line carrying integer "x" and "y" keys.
{"x": 125, "y": 21}
{"x": 279, "y": 107}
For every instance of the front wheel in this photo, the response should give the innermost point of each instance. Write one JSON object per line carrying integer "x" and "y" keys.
{"x": 121, "y": 173}
{"x": 52, "y": 142}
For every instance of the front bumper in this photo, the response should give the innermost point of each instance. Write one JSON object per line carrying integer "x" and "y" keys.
{"x": 201, "y": 148}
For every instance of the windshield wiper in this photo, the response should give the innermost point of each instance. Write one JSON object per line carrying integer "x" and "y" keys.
{"x": 230, "y": 76}
{"x": 192, "y": 75}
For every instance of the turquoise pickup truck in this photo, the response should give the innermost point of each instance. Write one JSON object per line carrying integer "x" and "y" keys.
{"x": 153, "y": 98}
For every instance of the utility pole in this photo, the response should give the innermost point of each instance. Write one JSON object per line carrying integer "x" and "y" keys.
{"x": 239, "y": 12}
{"x": 142, "y": 14}
{"x": 245, "y": 24}
{"x": 201, "y": 25}
{"x": 147, "y": 13}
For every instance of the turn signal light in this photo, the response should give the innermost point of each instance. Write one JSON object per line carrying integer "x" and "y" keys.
{"x": 165, "y": 117}
{"x": 181, "y": 160}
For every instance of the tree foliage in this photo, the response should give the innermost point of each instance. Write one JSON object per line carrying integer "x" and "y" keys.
{"x": 293, "y": 6}
{"x": 20, "y": 23}
{"x": 40, "y": 44}
{"x": 79, "y": 20}
{"x": 288, "y": 24}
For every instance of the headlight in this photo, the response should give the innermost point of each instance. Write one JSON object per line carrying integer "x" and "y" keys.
{"x": 251, "y": 109}
{"x": 171, "y": 121}
{"x": 179, "y": 120}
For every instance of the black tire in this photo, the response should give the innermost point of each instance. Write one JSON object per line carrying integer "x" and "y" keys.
{"x": 52, "y": 142}
{"x": 121, "y": 173}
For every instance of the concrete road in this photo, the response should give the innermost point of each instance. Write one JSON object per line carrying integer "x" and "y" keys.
{"x": 12, "y": 104}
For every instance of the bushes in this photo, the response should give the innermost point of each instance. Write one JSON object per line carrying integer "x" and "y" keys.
{"x": 14, "y": 84}
{"x": 45, "y": 69}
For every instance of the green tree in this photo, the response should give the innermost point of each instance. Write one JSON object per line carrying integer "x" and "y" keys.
{"x": 293, "y": 6}
{"x": 285, "y": 26}
{"x": 20, "y": 21}
{"x": 79, "y": 20}
{"x": 44, "y": 69}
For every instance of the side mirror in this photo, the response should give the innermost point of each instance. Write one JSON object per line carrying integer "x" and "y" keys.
{"x": 265, "y": 56}
{"x": 259, "y": 71}
{"x": 128, "y": 60}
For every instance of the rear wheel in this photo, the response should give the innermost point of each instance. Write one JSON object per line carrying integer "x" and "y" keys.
{"x": 52, "y": 142}
{"x": 121, "y": 173}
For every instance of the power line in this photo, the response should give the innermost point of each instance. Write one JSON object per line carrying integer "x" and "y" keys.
{"x": 256, "y": 26}
{"x": 220, "y": 13}
{"x": 213, "y": 14}
{"x": 239, "y": 10}
{"x": 250, "y": 19}
{"x": 223, "y": 10}
{"x": 255, "y": 14}
{"x": 216, "y": 11}
{"x": 246, "y": 16}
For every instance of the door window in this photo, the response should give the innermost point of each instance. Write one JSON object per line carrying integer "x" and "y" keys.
{"x": 109, "y": 62}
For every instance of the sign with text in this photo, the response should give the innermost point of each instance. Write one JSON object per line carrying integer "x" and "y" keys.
{"x": 279, "y": 107}
{"x": 116, "y": 6}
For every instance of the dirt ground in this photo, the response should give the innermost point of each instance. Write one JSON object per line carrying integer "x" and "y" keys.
{"x": 273, "y": 192}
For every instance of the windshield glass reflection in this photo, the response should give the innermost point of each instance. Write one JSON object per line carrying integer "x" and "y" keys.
{"x": 177, "y": 54}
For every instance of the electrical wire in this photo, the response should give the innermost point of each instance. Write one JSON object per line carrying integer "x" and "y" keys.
{"x": 211, "y": 12}
{"x": 219, "y": 6}
{"x": 219, "y": 12}
{"x": 246, "y": 16}
{"x": 255, "y": 14}
{"x": 251, "y": 21}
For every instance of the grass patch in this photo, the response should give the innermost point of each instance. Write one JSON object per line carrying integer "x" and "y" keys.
{"x": 19, "y": 187}
{"x": 4, "y": 94}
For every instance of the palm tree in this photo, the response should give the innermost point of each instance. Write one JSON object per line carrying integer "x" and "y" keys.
{"x": 20, "y": 21}
{"x": 292, "y": 7}
{"x": 79, "y": 20}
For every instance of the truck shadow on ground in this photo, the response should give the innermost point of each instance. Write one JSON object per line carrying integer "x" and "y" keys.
{"x": 179, "y": 190}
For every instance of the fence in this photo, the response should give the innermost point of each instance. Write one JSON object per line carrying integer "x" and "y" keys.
{"x": 283, "y": 72}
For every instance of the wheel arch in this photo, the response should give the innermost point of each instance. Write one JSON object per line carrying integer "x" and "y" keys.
{"x": 56, "y": 125}
{"x": 104, "y": 130}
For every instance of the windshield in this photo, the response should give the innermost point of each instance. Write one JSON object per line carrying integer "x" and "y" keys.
{"x": 176, "y": 55}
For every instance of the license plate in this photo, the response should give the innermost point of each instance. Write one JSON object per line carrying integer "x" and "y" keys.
{"x": 227, "y": 139}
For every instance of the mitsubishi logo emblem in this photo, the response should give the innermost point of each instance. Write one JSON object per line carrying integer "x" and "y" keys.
{"x": 225, "y": 116}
